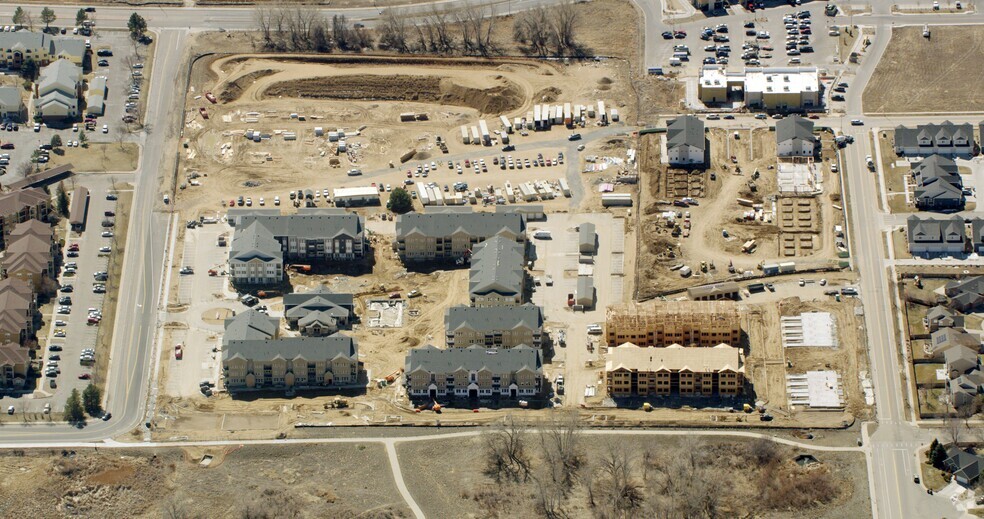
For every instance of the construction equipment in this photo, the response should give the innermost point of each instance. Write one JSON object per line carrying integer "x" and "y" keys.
{"x": 393, "y": 376}
{"x": 213, "y": 272}
{"x": 204, "y": 112}
{"x": 211, "y": 98}
{"x": 268, "y": 293}
{"x": 299, "y": 268}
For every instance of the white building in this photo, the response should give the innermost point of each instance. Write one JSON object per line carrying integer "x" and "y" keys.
{"x": 685, "y": 142}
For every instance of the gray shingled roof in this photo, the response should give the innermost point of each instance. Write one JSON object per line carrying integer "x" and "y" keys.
{"x": 794, "y": 127}
{"x": 936, "y": 168}
{"x": 321, "y": 303}
{"x": 493, "y": 318}
{"x": 61, "y": 75}
{"x": 254, "y": 241}
{"x": 687, "y": 130}
{"x": 585, "y": 286}
{"x": 311, "y": 348}
{"x": 250, "y": 325}
{"x": 933, "y": 230}
{"x": 473, "y": 358}
{"x": 322, "y": 294}
{"x": 586, "y": 234}
{"x": 447, "y": 224}
{"x": 10, "y": 98}
{"x": 909, "y": 137}
{"x": 960, "y": 354}
{"x": 497, "y": 266}
{"x": 308, "y": 225}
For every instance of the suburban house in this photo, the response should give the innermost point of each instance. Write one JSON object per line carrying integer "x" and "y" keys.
{"x": 318, "y": 312}
{"x": 794, "y": 137}
{"x": 255, "y": 257}
{"x": 685, "y": 141}
{"x": 18, "y": 47}
{"x": 494, "y": 327}
{"x": 944, "y": 339}
{"x": 15, "y": 362}
{"x": 21, "y": 206}
{"x": 977, "y": 235}
{"x": 291, "y": 363}
{"x": 640, "y": 371}
{"x": 966, "y": 295}
{"x": 473, "y": 372}
{"x": 938, "y": 184}
{"x": 662, "y": 323}
{"x": 964, "y": 466}
{"x": 497, "y": 276}
{"x": 451, "y": 236}
{"x": 942, "y": 317}
{"x": 960, "y": 361}
{"x": 936, "y": 235}
{"x": 58, "y": 91}
{"x": 927, "y": 139}
{"x": 11, "y": 104}
{"x": 18, "y": 307}
{"x": 965, "y": 388}
{"x": 314, "y": 235}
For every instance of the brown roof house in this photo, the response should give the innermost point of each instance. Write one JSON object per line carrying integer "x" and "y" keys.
{"x": 29, "y": 259}
{"x": 15, "y": 361}
{"x": 17, "y": 311}
{"x": 21, "y": 206}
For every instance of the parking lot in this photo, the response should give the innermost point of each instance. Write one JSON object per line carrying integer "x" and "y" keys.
{"x": 739, "y": 28}
{"x": 558, "y": 259}
{"x": 119, "y": 82}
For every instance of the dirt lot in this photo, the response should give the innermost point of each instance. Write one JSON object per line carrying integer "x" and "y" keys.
{"x": 917, "y": 74}
{"x": 280, "y": 481}
{"x": 768, "y": 484}
{"x": 100, "y": 157}
{"x": 715, "y": 230}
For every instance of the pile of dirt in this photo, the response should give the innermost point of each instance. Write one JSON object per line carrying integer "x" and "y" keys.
{"x": 233, "y": 89}
{"x": 503, "y": 97}
{"x": 547, "y": 95}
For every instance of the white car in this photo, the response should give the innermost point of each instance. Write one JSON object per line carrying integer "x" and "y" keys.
{"x": 857, "y": 122}
{"x": 105, "y": 128}
{"x": 107, "y": 234}
{"x": 262, "y": 202}
{"x": 105, "y": 249}
{"x": 276, "y": 200}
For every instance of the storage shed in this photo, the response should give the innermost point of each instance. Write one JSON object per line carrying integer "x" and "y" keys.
{"x": 78, "y": 209}
{"x": 587, "y": 238}
{"x": 585, "y": 295}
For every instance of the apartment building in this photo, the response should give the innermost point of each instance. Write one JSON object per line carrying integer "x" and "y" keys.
{"x": 291, "y": 363}
{"x": 685, "y": 141}
{"x": 59, "y": 89}
{"x": 15, "y": 362}
{"x": 927, "y": 139}
{"x": 11, "y": 104}
{"x": 318, "y": 312}
{"x": 494, "y": 327}
{"x": 662, "y": 323}
{"x": 18, "y": 309}
{"x": 497, "y": 276}
{"x": 451, "y": 236}
{"x": 674, "y": 370}
{"x": 473, "y": 372}
{"x": 19, "y": 47}
{"x": 938, "y": 184}
{"x": 794, "y": 137}
{"x": 20, "y": 206}
{"x": 263, "y": 242}
{"x": 936, "y": 235}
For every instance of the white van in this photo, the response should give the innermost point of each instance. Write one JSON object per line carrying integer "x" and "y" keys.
{"x": 683, "y": 56}
{"x": 542, "y": 235}
{"x": 675, "y": 62}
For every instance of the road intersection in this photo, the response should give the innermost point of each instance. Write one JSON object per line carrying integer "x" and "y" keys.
{"x": 889, "y": 444}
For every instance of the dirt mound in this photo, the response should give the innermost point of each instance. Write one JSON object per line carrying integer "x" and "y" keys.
{"x": 547, "y": 95}
{"x": 233, "y": 89}
{"x": 503, "y": 97}
{"x": 605, "y": 81}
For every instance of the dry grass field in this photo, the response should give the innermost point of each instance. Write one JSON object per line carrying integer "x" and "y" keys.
{"x": 941, "y": 74}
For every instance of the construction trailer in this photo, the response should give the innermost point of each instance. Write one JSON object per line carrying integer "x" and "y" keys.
{"x": 506, "y": 125}
{"x": 483, "y": 129}
{"x": 464, "y": 135}
{"x": 565, "y": 188}
{"x": 616, "y": 199}
{"x": 537, "y": 121}
{"x": 661, "y": 323}
{"x": 568, "y": 115}
{"x": 355, "y": 196}
{"x": 602, "y": 114}
{"x": 475, "y": 135}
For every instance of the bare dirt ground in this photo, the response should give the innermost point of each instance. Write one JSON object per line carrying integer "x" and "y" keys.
{"x": 719, "y": 211}
{"x": 917, "y": 74}
{"x": 761, "y": 482}
{"x": 100, "y": 157}
{"x": 344, "y": 481}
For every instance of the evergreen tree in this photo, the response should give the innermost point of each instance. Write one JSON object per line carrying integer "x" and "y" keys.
{"x": 20, "y": 16}
{"x": 74, "y": 413}
{"x": 47, "y": 16}
{"x": 399, "y": 201}
{"x": 80, "y": 17}
{"x": 91, "y": 398}
{"x": 137, "y": 26}
{"x": 61, "y": 200}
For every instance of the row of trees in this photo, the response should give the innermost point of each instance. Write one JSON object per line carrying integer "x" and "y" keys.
{"x": 77, "y": 406}
{"x": 468, "y": 30}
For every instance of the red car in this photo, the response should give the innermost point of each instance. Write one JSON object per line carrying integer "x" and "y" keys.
{"x": 85, "y": 376}
{"x": 232, "y": 203}
{"x": 73, "y": 247}
{"x": 814, "y": 116}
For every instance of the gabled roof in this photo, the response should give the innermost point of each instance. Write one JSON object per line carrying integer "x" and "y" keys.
{"x": 430, "y": 359}
{"x": 61, "y": 75}
{"x": 686, "y": 130}
{"x": 17, "y": 287}
{"x": 311, "y": 348}
{"x": 497, "y": 266}
{"x": 33, "y": 227}
{"x": 10, "y": 98}
{"x": 941, "y": 314}
{"x": 963, "y": 464}
{"x": 250, "y": 325}
{"x": 960, "y": 357}
{"x": 909, "y": 137}
{"x": 15, "y": 201}
{"x": 675, "y": 358}
{"x": 794, "y": 127}
{"x": 308, "y": 224}
{"x": 945, "y": 339}
{"x": 493, "y": 318}
{"x": 977, "y": 230}
{"x": 68, "y": 46}
{"x": 324, "y": 318}
{"x": 936, "y": 168}
{"x": 448, "y": 224}
{"x": 935, "y": 230}
{"x": 254, "y": 241}
{"x": 13, "y": 354}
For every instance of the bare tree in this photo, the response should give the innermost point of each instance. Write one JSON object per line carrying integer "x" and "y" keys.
{"x": 617, "y": 492}
{"x": 393, "y": 32}
{"x": 341, "y": 33}
{"x": 507, "y": 458}
{"x": 561, "y": 449}
{"x": 679, "y": 483}
{"x": 263, "y": 16}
